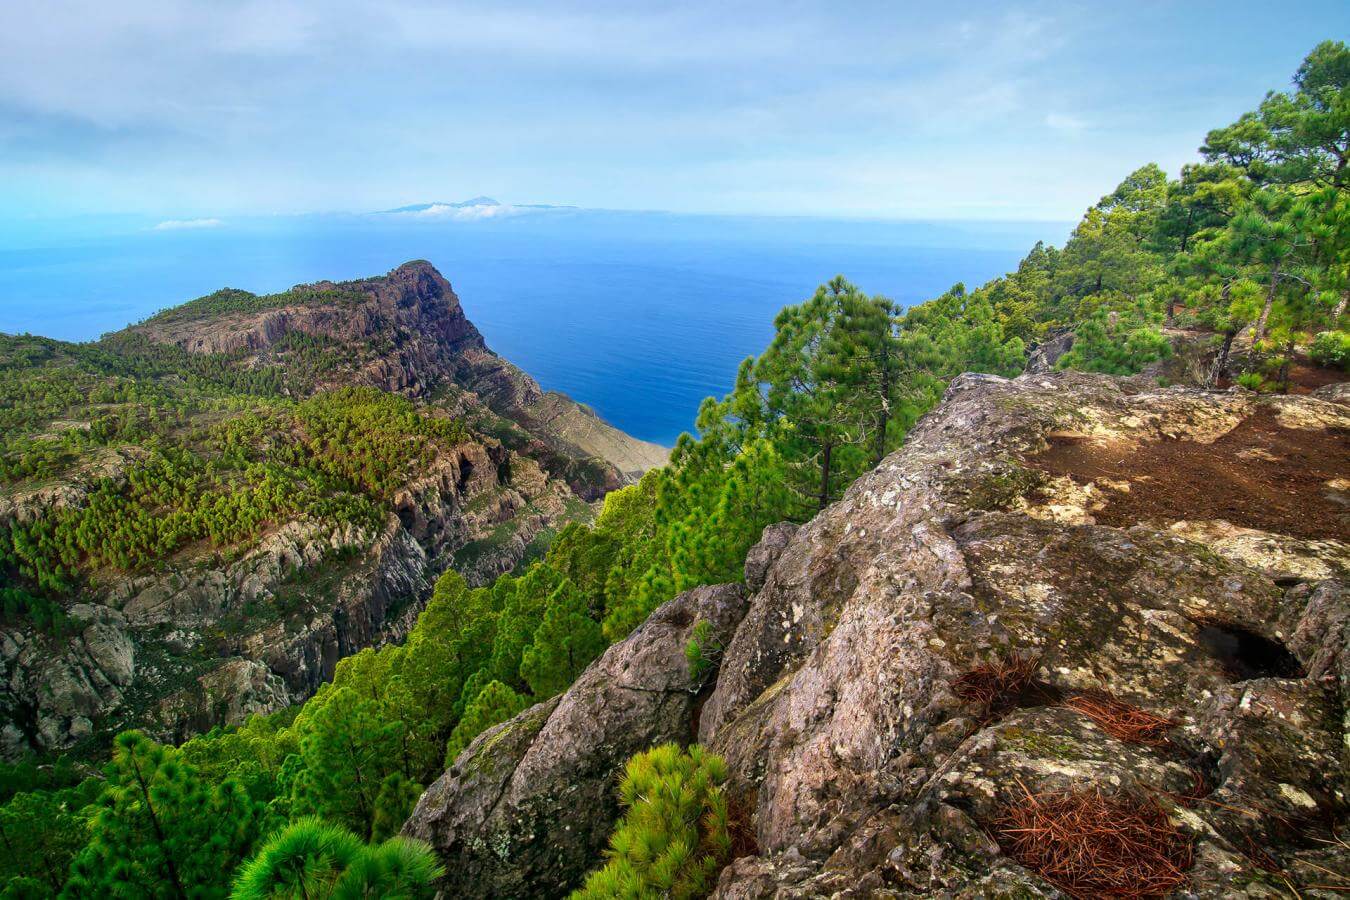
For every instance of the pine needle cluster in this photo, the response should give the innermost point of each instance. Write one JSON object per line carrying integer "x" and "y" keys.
{"x": 673, "y": 839}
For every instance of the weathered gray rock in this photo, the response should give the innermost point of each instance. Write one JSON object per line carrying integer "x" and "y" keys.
{"x": 868, "y": 776}
{"x": 1336, "y": 393}
{"x": 765, "y": 553}
{"x": 1043, "y": 358}
{"x": 528, "y": 807}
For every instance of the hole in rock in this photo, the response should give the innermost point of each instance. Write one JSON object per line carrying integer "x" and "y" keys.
{"x": 1244, "y": 654}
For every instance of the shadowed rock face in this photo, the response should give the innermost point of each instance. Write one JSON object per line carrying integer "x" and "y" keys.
{"x": 835, "y": 708}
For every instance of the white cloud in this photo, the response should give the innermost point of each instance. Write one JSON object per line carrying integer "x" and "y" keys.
{"x": 1064, "y": 123}
{"x": 187, "y": 224}
{"x": 443, "y": 211}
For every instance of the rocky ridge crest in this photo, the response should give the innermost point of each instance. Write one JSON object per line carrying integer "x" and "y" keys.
{"x": 1043, "y": 520}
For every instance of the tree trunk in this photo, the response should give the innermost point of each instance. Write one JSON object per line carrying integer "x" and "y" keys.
{"x": 159, "y": 831}
{"x": 884, "y": 417}
{"x": 825, "y": 476}
{"x": 1171, "y": 308}
{"x": 1340, "y": 306}
{"x": 1220, "y": 366}
{"x": 1259, "y": 331}
{"x": 1284, "y": 366}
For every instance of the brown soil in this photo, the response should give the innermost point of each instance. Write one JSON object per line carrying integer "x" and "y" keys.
{"x": 1306, "y": 377}
{"x": 1259, "y": 475}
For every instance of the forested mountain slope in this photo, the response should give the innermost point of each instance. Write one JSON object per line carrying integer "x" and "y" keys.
{"x": 202, "y": 514}
{"x": 1059, "y": 633}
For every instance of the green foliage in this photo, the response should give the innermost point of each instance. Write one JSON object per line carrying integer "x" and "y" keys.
{"x": 161, "y": 830}
{"x": 703, "y": 653}
{"x": 315, "y": 860}
{"x": 336, "y": 457}
{"x": 565, "y": 642}
{"x": 1331, "y": 348}
{"x": 493, "y": 704}
{"x": 229, "y": 301}
{"x": 1115, "y": 343}
{"x": 41, "y": 832}
{"x": 18, "y": 605}
{"x": 673, "y": 838}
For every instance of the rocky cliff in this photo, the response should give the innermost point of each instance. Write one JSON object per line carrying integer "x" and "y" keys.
{"x": 204, "y": 634}
{"x": 206, "y": 640}
{"x": 407, "y": 332}
{"x": 1063, "y": 589}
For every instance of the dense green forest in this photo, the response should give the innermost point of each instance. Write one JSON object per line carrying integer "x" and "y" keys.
{"x": 1245, "y": 253}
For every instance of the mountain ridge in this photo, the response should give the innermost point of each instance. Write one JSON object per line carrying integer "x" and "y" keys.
{"x": 212, "y": 507}
{"x": 414, "y": 303}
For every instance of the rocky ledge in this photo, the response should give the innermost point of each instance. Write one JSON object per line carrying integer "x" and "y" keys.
{"x": 1061, "y": 586}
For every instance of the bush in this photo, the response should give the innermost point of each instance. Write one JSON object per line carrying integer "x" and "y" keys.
{"x": 317, "y": 860}
{"x": 1331, "y": 348}
{"x": 703, "y": 653}
{"x": 672, "y": 840}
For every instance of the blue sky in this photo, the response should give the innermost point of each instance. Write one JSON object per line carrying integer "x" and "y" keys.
{"x": 212, "y": 108}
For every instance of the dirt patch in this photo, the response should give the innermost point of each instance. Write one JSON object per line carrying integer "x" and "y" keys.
{"x": 1259, "y": 475}
{"x": 1306, "y": 376}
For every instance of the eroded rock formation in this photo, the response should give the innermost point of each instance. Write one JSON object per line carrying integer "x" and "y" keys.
{"x": 1046, "y": 520}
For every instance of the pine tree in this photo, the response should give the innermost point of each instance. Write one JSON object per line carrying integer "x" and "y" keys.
{"x": 564, "y": 644}
{"x": 161, "y": 831}
{"x": 673, "y": 838}
{"x": 315, "y": 860}
{"x": 347, "y": 748}
{"x": 494, "y": 703}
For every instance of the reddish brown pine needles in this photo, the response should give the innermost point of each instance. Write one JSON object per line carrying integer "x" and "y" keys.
{"x": 1121, "y": 720}
{"x": 1091, "y": 845}
{"x": 997, "y": 686}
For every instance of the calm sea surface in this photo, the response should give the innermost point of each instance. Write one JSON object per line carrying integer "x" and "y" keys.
{"x": 640, "y": 315}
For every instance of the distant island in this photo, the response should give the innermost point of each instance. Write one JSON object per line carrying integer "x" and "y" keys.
{"x": 1034, "y": 589}
{"x": 486, "y": 206}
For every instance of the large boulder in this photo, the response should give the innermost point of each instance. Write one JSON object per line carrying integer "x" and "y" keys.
{"x": 527, "y": 808}
{"x": 1174, "y": 551}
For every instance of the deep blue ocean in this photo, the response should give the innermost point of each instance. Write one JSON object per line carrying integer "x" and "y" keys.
{"x": 640, "y": 315}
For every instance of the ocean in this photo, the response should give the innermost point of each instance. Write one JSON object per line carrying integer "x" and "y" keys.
{"x": 638, "y": 314}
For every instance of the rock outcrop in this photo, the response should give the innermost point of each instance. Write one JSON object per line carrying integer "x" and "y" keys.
{"x": 529, "y": 805}
{"x": 1049, "y": 522}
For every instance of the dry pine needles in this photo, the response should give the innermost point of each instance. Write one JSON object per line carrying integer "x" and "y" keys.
{"x": 1089, "y": 844}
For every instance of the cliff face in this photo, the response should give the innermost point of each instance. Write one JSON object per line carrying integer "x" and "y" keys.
{"x": 208, "y": 641}
{"x": 407, "y": 332}
{"x": 1061, "y": 583}
{"x": 208, "y": 636}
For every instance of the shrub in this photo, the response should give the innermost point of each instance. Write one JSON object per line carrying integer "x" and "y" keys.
{"x": 672, "y": 839}
{"x": 1331, "y": 348}
{"x": 703, "y": 653}
{"x": 318, "y": 860}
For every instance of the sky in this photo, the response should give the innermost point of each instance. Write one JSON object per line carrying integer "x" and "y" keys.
{"x": 197, "y": 110}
